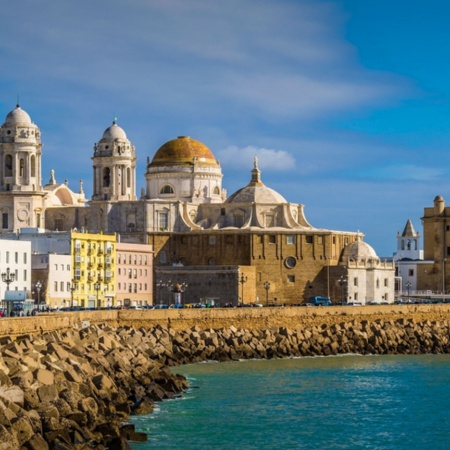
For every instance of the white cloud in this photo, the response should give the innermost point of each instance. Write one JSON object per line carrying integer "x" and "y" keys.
{"x": 268, "y": 159}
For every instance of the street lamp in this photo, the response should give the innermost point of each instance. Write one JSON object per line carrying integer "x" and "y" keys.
{"x": 38, "y": 286}
{"x": 73, "y": 287}
{"x": 267, "y": 287}
{"x": 443, "y": 275}
{"x": 159, "y": 286}
{"x": 408, "y": 286}
{"x": 97, "y": 288}
{"x": 8, "y": 277}
{"x": 342, "y": 281}
{"x": 243, "y": 279}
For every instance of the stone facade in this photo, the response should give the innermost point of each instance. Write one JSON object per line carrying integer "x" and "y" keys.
{"x": 185, "y": 214}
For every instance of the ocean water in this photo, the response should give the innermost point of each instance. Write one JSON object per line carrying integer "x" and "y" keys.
{"x": 341, "y": 402}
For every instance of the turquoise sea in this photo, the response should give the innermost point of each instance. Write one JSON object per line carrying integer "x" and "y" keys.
{"x": 342, "y": 402}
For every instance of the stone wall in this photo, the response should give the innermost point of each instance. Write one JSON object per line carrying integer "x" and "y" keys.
{"x": 248, "y": 318}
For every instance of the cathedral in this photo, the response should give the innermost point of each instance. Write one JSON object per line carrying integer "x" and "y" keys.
{"x": 250, "y": 247}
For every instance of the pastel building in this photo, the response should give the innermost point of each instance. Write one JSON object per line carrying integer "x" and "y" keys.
{"x": 134, "y": 280}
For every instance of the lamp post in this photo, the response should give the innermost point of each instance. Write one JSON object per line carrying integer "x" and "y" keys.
{"x": 38, "y": 286}
{"x": 8, "y": 277}
{"x": 183, "y": 287}
{"x": 97, "y": 288}
{"x": 342, "y": 281}
{"x": 267, "y": 287}
{"x": 443, "y": 276}
{"x": 159, "y": 286}
{"x": 73, "y": 287}
{"x": 243, "y": 279}
{"x": 408, "y": 286}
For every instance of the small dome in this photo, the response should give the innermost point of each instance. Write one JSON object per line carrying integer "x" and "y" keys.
{"x": 256, "y": 191}
{"x": 184, "y": 151}
{"x": 256, "y": 194}
{"x": 114, "y": 132}
{"x": 17, "y": 116}
{"x": 359, "y": 250}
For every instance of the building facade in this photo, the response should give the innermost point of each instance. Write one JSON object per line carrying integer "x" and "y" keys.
{"x": 134, "y": 279}
{"x": 187, "y": 218}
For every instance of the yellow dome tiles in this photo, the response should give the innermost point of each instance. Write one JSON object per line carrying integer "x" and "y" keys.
{"x": 184, "y": 151}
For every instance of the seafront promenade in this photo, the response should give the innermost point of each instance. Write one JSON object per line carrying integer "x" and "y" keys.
{"x": 249, "y": 318}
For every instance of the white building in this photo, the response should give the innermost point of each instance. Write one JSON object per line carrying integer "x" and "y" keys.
{"x": 54, "y": 273}
{"x": 369, "y": 280}
{"x": 15, "y": 258}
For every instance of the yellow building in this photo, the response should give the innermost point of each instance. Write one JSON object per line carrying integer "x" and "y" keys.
{"x": 93, "y": 262}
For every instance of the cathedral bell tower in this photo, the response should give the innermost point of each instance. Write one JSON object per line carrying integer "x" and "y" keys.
{"x": 114, "y": 164}
{"x": 20, "y": 153}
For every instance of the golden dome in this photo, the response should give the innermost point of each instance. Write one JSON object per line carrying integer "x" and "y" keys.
{"x": 184, "y": 151}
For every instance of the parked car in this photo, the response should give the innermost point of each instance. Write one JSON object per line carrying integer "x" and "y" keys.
{"x": 318, "y": 300}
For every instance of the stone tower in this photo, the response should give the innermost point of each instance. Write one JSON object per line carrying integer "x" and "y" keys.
{"x": 21, "y": 192}
{"x": 20, "y": 153}
{"x": 114, "y": 164}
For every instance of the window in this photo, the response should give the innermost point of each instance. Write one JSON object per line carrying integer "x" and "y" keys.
{"x": 68, "y": 286}
{"x": 7, "y": 257}
{"x": 24, "y": 258}
{"x": 134, "y": 273}
{"x": 56, "y": 286}
{"x": 119, "y": 271}
{"x": 135, "y": 288}
{"x": 291, "y": 278}
{"x": 216, "y": 190}
{"x": 166, "y": 189}
{"x": 290, "y": 239}
{"x": 212, "y": 240}
{"x": 8, "y": 166}
{"x": 4, "y": 220}
{"x": 130, "y": 273}
{"x": 290, "y": 262}
{"x": 355, "y": 281}
{"x": 163, "y": 257}
{"x": 16, "y": 257}
{"x": 272, "y": 239}
{"x": 61, "y": 286}
{"x": 106, "y": 177}
{"x": 24, "y": 275}
{"x": 163, "y": 220}
{"x": 386, "y": 282}
{"x": 411, "y": 272}
{"x": 309, "y": 239}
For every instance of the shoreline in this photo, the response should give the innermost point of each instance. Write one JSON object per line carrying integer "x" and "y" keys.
{"x": 75, "y": 387}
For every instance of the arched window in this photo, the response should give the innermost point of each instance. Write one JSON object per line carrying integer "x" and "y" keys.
{"x": 128, "y": 177}
{"x": 106, "y": 177}
{"x": 21, "y": 167}
{"x": 33, "y": 165}
{"x": 8, "y": 166}
{"x": 216, "y": 190}
{"x": 166, "y": 189}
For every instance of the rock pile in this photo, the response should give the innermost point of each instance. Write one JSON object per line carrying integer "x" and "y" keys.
{"x": 364, "y": 337}
{"x": 75, "y": 389}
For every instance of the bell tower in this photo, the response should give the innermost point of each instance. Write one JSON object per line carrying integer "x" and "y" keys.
{"x": 114, "y": 165}
{"x": 20, "y": 153}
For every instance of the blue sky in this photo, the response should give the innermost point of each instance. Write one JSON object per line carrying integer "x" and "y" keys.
{"x": 345, "y": 102}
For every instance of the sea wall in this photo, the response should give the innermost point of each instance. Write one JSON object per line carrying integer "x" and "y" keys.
{"x": 248, "y": 318}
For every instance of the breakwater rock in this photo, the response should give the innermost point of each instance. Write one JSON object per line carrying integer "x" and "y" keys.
{"x": 74, "y": 389}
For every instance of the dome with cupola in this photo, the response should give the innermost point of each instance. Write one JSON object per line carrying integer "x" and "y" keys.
{"x": 18, "y": 116}
{"x": 256, "y": 191}
{"x": 184, "y": 151}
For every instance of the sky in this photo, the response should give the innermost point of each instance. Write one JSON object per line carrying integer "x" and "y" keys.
{"x": 346, "y": 103}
